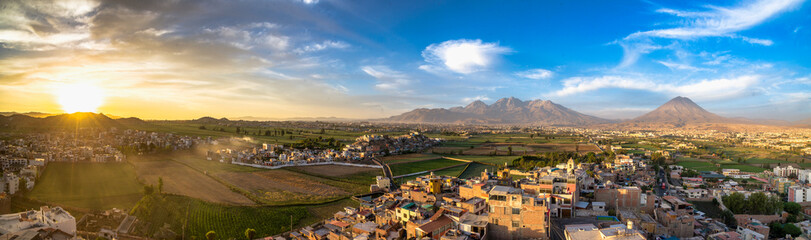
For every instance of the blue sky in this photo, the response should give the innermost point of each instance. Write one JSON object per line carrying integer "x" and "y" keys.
{"x": 365, "y": 59}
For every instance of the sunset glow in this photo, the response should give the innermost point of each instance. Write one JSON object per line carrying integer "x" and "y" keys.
{"x": 79, "y": 98}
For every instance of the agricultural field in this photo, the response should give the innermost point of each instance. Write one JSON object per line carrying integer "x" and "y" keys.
{"x": 278, "y": 187}
{"x": 475, "y": 170}
{"x": 199, "y": 217}
{"x": 92, "y": 186}
{"x": 337, "y": 170}
{"x": 498, "y": 160}
{"x": 412, "y": 157}
{"x": 698, "y": 165}
{"x": 256, "y": 133}
{"x": 183, "y": 180}
{"x": 413, "y": 167}
{"x": 529, "y": 149}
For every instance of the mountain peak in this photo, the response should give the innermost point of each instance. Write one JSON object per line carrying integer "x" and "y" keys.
{"x": 680, "y": 110}
{"x": 504, "y": 111}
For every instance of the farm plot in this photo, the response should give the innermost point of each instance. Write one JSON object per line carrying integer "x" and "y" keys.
{"x": 475, "y": 170}
{"x": 199, "y": 217}
{"x": 181, "y": 179}
{"x": 413, "y": 157}
{"x": 286, "y": 187}
{"x": 96, "y": 186}
{"x": 336, "y": 170}
{"x": 498, "y": 160}
{"x": 698, "y": 165}
{"x": 413, "y": 167}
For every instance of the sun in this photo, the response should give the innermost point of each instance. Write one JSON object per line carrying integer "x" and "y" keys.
{"x": 80, "y": 97}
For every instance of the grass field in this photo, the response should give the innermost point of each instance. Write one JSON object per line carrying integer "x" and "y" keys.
{"x": 763, "y": 160}
{"x": 414, "y": 167}
{"x": 200, "y": 217}
{"x": 277, "y": 187}
{"x": 395, "y": 159}
{"x": 183, "y": 180}
{"x": 475, "y": 170}
{"x": 697, "y": 165}
{"x": 498, "y": 160}
{"x": 88, "y": 185}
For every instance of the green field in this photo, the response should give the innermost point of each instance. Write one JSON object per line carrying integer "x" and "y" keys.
{"x": 498, "y": 160}
{"x": 200, "y": 217}
{"x": 408, "y": 158}
{"x": 698, "y": 165}
{"x": 97, "y": 186}
{"x": 413, "y": 167}
{"x": 475, "y": 170}
{"x": 763, "y": 160}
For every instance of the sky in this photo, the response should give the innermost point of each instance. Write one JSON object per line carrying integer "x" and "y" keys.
{"x": 179, "y": 59}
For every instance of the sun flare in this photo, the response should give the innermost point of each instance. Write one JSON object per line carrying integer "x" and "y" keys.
{"x": 80, "y": 97}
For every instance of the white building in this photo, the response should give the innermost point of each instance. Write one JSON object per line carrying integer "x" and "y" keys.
{"x": 46, "y": 217}
{"x": 799, "y": 194}
{"x": 785, "y": 171}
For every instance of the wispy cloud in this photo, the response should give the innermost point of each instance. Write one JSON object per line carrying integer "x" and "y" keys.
{"x": 315, "y": 47}
{"x": 708, "y": 89}
{"x": 476, "y": 98}
{"x": 536, "y": 74}
{"x": 387, "y": 79}
{"x": 715, "y": 21}
{"x": 463, "y": 56}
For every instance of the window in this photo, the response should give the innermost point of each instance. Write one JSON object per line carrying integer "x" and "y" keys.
{"x": 492, "y": 209}
{"x": 516, "y": 224}
{"x": 516, "y": 211}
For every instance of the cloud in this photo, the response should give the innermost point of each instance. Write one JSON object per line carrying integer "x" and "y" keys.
{"x": 720, "y": 21}
{"x": 463, "y": 56}
{"x": 715, "y": 21}
{"x": 682, "y": 66}
{"x": 476, "y": 98}
{"x": 708, "y": 89}
{"x": 315, "y": 47}
{"x": 387, "y": 79}
{"x": 764, "y": 42}
{"x": 309, "y": 2}
{"x": 536, "y": 74}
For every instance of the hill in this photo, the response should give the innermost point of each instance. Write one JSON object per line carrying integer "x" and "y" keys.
{"x": 65, "y": 121}
{"x": 504, "y": 111}
{"x": 680, "y": 110}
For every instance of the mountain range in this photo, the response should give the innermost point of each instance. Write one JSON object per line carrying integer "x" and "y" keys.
{"x": 64, "y": 121}
{"x": 504, "y": 111}
{"x": 676, "y": 112}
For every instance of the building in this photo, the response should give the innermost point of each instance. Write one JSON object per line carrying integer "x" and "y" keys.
{"x": 516, "y": 215}
{"x": 625, "y": 197}
{"x": 786, "y": 171}
{"x": 799, "y": 194}
{"x": 46, "y": 217}
{"x": 591, "y": 232}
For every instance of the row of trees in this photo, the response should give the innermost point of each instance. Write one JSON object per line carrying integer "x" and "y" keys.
{"x": 757, "y": 203}
{"x": 554, "y": 158}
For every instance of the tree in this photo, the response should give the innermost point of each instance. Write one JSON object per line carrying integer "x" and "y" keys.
{"x": 735, "y": 202}
{"x": 776, "y": 230}
{"x": 149, "y": 189}
{"x": 792, "y": 229}
{"x": 23, "y": 187}
{"x": 202, "y": 127}
{"x": 729, "y": 219}
{"x": 160, "y": 185}
{"x": 792, "y": 207}
{"x": 211, "y": 235}
{"x": 250, "y": 233}
{"x": 509, "y": 150}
